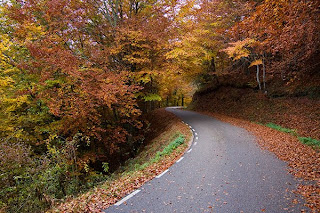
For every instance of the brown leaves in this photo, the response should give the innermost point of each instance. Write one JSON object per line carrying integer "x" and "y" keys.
{"x": 304, "y": 161}
{"x": 111, "y": 191}
{"x": 286, "y": 29}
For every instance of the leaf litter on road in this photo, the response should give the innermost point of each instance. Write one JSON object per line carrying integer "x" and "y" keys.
{"x": 303, "y": 160}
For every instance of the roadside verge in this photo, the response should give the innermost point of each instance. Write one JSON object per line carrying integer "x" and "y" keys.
{"x": 169, "y": 140}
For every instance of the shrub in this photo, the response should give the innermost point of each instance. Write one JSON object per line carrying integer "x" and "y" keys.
{"x": 31, "y": 183}
{"x": 20, "y": 187}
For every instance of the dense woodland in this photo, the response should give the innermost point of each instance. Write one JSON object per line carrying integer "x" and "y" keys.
{"x": 78, "y": 77}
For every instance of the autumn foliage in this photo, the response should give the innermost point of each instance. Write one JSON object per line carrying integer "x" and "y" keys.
{"x": 77, "y": 77}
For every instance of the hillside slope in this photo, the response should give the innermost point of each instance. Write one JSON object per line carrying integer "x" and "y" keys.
{"x": 295, "y": 106}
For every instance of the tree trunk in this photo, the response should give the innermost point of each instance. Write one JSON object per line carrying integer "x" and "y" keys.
{"x": 264, "y": 75}
{"x": 258, "y": 80}
{"x": 182, "y": 100}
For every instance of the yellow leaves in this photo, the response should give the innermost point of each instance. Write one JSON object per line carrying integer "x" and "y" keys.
{"x": 256, "y": 63}
{"x": 175, "y": 53}
{"x": 202, "y": 32}
{"x": 17, "y": 102}
{"x": 134, "y": 47}
{"x": 5, "y": 42}
{"x": 152, "y": 97}
{"x": 8, "y": 71}
{"x": 137, "y": 58}
{"x": 5, "y": 48}
{"x": 135, "y": 36}
{"x": 30, "y": 32}
{"x": 145, "y": 79}
{"x": 144, "y": 76}
{"x": 192, "y": 49}
{"x": 6, "y": 81}
{"x": 187, "y": 48}
{"x": 34, "y": 31}
{"x": 239, "y": 49}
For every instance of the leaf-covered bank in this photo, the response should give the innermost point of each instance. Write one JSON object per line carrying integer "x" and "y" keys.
{"x": 167, "y": 145}
{"x": 277, "y": 122}
{"x": 295, "y": 106}
{"x": 303, "y": 160}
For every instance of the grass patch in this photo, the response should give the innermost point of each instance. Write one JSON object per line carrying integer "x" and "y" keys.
{"x": 156, "y": 156}
{"x": 309, "y": 141}
{"x": 140, "y": 164}
{"x": 169, "y": 149}
{"x": 305, "y": 140}
{"x": 281, "y": 129}
{"x": 168, "y": 142}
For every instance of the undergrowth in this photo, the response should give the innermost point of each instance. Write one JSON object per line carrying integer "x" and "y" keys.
{"x": 137, "y": 164}
{"x": 169, "y": 149}
{"x": 154, "y": 157}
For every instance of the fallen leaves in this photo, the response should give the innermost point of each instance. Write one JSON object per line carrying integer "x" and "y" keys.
{"x": 303, "y": 161}
{"x": 124, "y": 183}
{"x": 299, "y": 113}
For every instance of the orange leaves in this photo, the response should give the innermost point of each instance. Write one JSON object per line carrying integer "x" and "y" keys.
{"x": 295, "y": 113}
{"x": 130, "y": 179}
{"x": 240, "y": 49}
{"x": 287, "y": 31}
{"x": 256, "y": 63}
{"x": 85, "y": 72}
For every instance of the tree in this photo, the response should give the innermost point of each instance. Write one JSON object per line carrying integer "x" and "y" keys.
{"x": 246, "y": 50}
{"x": 288, "y": 32}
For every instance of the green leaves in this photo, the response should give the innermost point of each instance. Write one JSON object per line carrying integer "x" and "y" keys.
{"x": 105, "y": 166}
{"x": 310, "y": 141}
{"x": 152, "y": 97}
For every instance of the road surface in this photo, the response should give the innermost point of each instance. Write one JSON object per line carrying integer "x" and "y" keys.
{"x": 223, "y": 171}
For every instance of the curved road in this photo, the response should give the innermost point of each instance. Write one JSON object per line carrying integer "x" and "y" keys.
{"x": 223, "y": 171}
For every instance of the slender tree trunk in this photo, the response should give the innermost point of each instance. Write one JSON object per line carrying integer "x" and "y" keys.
{"x": 182, "y": 100}
{"x": 115, "y": 114}
{"x": 258, "y": 80}
{"x": 264, "y": 75}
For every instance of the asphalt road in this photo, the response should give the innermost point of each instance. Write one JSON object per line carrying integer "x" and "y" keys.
{"x": 225, "y": 171}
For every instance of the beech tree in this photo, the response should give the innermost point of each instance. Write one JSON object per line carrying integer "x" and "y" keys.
{"x": 288, "y": 32}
